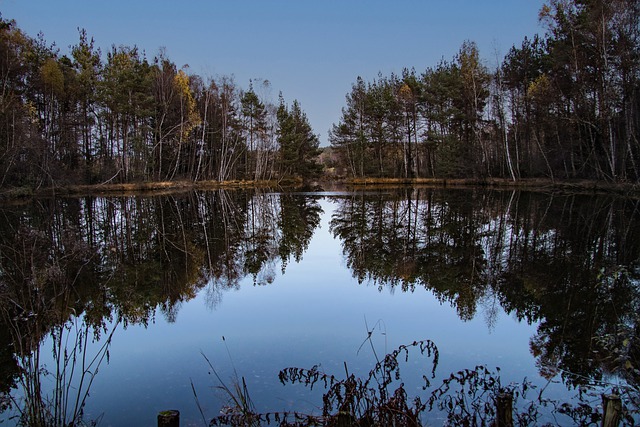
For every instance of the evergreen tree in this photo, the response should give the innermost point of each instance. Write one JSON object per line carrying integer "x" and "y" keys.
{"x": 86, "y": 62}
{"x": 299, "y": 146}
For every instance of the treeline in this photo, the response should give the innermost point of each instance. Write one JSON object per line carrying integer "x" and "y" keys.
{"x": 93, "y": 118}
{"x": 566, "y": 105}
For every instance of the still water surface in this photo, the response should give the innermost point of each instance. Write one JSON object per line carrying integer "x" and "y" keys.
{"x": 530, "y": 283}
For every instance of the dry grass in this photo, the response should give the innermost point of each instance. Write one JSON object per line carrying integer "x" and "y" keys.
{"x": 157, "y": 188}
{"x": 166, "y": 187}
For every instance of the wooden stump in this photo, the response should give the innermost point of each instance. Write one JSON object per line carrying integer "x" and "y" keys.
{"x": 504, "y": 409}
{"x": 169, "y": 418}
{"x": 612, "y": 410}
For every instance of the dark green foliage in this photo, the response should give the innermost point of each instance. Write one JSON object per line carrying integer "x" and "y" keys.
{"x": 565, "y": 105}
{"x": 298, "y": 144}
{"x": 416, "y": 125}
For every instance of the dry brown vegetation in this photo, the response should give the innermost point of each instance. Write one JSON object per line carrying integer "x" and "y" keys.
{"x": 164, "y": 187}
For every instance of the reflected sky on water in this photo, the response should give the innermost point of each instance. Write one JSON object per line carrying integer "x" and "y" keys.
{"x": 319, "y": 312}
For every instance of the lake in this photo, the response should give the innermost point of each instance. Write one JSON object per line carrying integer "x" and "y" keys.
{"x": 135, "y": 305}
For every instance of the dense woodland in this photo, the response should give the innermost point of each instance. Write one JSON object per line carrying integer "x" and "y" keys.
{"x": 89, "y": 117}
{"x": 561, "y": 106}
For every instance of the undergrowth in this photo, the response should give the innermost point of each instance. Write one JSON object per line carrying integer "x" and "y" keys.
{"x": 466, "y": 398}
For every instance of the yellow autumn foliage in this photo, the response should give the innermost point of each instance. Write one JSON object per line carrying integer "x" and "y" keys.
{"x": 52, "y": 77}
{"x": 190, "y": 115}
{"x": 405, "y": 93}
{"x": 539, "y": 90}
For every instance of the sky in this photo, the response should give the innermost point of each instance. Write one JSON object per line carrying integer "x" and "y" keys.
{"x": 311, "y": 51}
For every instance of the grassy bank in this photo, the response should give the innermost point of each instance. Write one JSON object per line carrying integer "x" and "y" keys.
{"x": 135, "y": 188}
{"x": 534, "y": 184}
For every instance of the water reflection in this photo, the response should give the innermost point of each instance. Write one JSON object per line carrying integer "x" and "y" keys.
{"x": 100, "y": 259}
{"x": 568, "y": 263}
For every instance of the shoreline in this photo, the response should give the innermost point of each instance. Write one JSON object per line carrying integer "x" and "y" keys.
{"x": 150, "y": 187}
{"x": 526, "y": 184}
{"x": 161, "y": 187}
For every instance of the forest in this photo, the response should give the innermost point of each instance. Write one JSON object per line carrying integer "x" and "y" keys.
{"x": 89, "y": 118}
{"x": 565, "y": 105}
{"x": 561, "y": 106}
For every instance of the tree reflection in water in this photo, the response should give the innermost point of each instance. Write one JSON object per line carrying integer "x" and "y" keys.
{"x": 80, "y": 267}
{"x": 72, "y": 270}
{"x": 569, "y": 262}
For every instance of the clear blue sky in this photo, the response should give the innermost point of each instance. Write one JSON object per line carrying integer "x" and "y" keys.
{"x": 310, "y": 50}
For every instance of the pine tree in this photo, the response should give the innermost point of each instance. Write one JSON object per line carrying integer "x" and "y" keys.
{"x": 299, "y": 146}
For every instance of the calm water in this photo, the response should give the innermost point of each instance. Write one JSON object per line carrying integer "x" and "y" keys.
{"x": 139, "y": 290}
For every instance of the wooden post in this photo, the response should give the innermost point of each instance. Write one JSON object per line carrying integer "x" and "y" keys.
{"x": 612, "y": 408}
{"x": 169, "y": 418}
{"x": 504, "y": 406}
{"x": 345, "y": 419}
